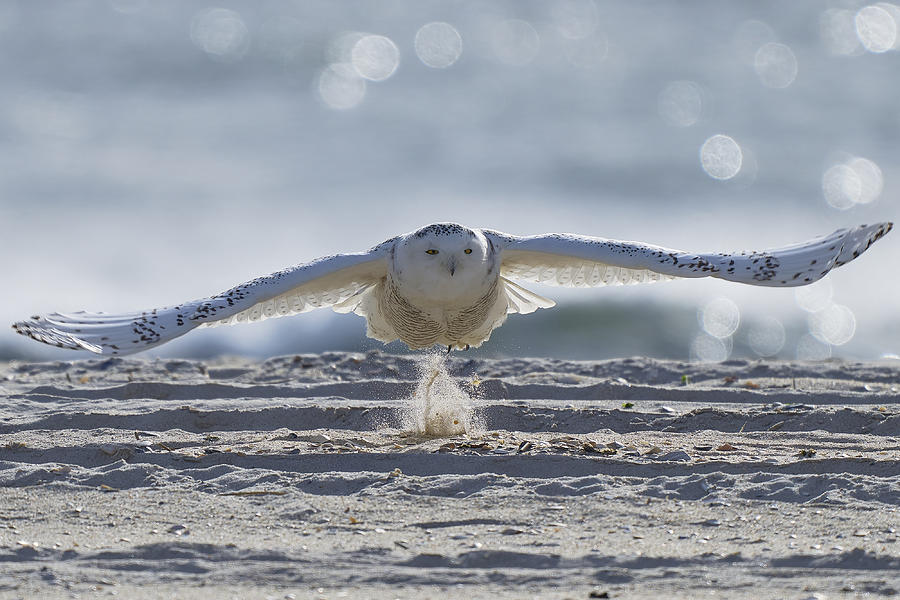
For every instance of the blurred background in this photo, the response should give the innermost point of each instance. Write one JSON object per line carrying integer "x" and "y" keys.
{"x": 156, "y": 151}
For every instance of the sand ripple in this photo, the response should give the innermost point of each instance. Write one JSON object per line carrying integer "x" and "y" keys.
{"x": 354, "y": 472}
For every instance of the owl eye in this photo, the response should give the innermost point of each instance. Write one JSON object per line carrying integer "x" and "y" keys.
{"x": 468, "y": 251}
{"x": 431, "y": 251}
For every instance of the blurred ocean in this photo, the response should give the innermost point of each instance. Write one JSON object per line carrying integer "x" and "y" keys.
{"x": 155, "y": 151}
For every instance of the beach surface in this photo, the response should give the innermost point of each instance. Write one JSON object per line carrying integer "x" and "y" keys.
{"x": 397, "y": 476}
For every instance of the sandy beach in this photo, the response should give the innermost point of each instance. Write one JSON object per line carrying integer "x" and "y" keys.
{"x": 386, "y": 476}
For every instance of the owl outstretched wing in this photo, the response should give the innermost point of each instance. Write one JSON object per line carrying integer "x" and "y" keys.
{"x": 339, "y": 282}
{"x": 578, "y": 261}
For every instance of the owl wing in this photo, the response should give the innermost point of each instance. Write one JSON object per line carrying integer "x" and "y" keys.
{"x": 339, "y": 282}
{"x": 577, "y": 261}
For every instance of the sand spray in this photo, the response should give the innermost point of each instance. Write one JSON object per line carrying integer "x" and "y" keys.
{"x": 439, "y": 406}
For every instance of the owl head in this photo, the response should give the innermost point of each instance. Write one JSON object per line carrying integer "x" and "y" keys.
{"x": 444, "y": 263}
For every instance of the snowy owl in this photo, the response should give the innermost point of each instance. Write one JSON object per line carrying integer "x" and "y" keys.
{"x": 446, "y": 284}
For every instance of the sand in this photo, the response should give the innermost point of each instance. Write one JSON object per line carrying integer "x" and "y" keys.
{"x": 383, "y": 476}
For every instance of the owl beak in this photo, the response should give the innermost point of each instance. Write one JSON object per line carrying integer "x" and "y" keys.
{"x": 451, "y": 266}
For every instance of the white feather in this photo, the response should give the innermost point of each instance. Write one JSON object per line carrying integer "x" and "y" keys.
{"x": 576, "y": 261}
{"x": 523, "y": 301}
{"x": 331, "y": 281}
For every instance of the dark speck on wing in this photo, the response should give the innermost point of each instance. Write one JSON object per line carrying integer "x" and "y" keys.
{"x": 209, "y": 310}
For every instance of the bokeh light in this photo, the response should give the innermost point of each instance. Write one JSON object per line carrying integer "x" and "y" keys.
{"x": 340, "y": 87}
{"x": 841, "y": 186}
{"x": 809, "y": 348}
{"x": 815, "y": 296}
{"x": 837, "y": 30}
{"x": 894, "y": 11}
{"x": 870, "y": 178}
{"x": 876, "y": 29}
{"x": 221, "y": 33}
{"x": 706, "y": 348}
{"x": 720, "y": 317}
{"x": 339, "y": 48}
{"x": 834, "y": 324}
{"x": 681, "y": 103}
{"x": 766, "y": 337}
{"x": 438, "y": 45}
{"x": 856, "y": 181}
{"x": 375, "y": 57}
{"x": 575, "y": 19}
{"x": 515, "y": 42}
{"x": 776, "y": 65}
{"x": 721, "y": 157}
